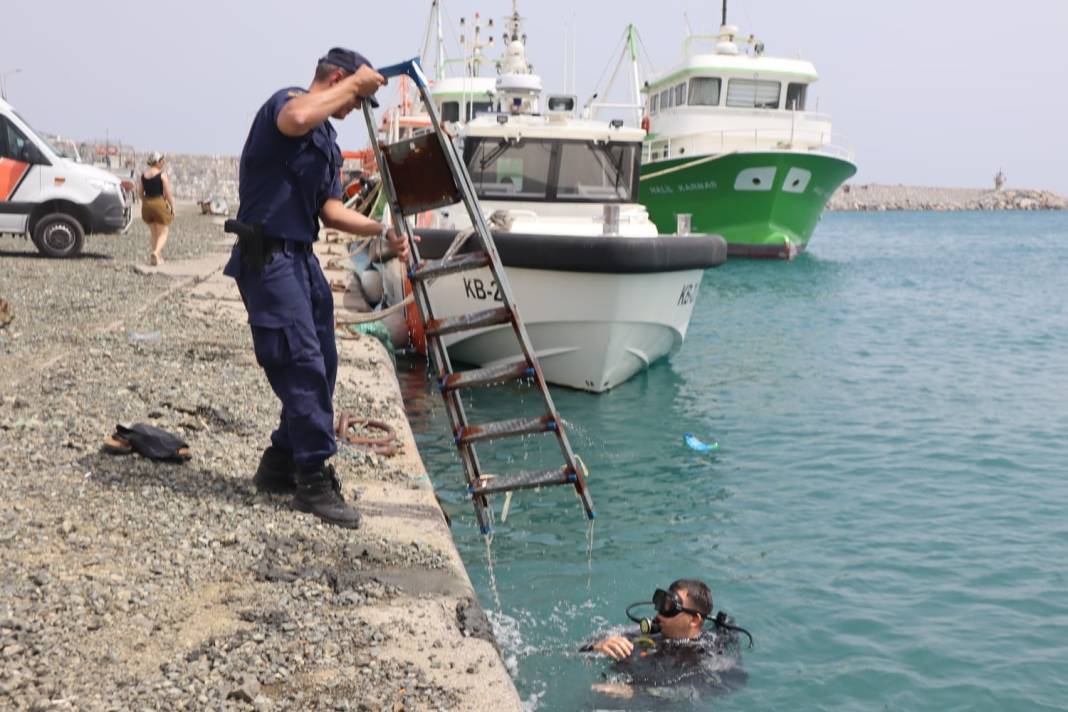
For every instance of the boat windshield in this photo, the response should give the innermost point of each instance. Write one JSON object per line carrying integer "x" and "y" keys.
{"x": 533, "y": 169}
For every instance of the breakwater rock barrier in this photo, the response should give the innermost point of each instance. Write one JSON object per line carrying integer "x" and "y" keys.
{"x": 203, "y": 177}
{"x": 878, "y": 198}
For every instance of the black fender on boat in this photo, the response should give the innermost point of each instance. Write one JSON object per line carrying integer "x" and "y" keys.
{"x": 601, "y": 254}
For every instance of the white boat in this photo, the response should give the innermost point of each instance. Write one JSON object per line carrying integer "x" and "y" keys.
{"x": 602, "y": 293}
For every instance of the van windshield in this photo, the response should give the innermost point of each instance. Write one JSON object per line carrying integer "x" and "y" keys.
{"x": 40, "y": 139}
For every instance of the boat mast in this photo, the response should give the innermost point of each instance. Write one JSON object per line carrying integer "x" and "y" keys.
{"x": 636, "y": 86}
{"x": 724, "y": 22}
{"x": 433, "y": 25}
{"x": 440, "y": 73}
{"x": 629, "y": 55}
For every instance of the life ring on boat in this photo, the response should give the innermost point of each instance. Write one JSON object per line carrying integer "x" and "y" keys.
{"x": 415, "y": 323}
{"x": 645, "y": 124}
{"x": 354, "y": 187}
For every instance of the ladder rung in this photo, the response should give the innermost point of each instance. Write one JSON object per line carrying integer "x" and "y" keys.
{"x": 485, "y": 376}
{"x": 464, "y": 322}
{"x": 504, "y": 429}
{"x": 457, "y": 263}
{"x": 525, "y": 480}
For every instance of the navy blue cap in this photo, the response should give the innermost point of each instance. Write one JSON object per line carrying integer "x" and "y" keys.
{"x": 349, "y": 61}
{"x": 345, "y": 59}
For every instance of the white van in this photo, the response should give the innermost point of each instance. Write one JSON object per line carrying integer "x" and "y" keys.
{"x": 54, "y": 200}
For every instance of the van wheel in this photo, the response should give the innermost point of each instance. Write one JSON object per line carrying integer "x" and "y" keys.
{"x": 58, "y": 235}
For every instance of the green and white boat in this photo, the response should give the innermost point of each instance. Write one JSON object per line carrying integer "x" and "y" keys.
{"x": 731, "y": 143}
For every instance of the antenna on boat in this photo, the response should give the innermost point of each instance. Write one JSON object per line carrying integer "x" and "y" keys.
{"x": 724, "y": 22}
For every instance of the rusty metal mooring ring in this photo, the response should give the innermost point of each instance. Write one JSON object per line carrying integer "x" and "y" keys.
{"x": 385, "y": 445}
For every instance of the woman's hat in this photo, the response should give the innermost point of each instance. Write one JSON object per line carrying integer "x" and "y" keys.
{"x": 154, "y": 158}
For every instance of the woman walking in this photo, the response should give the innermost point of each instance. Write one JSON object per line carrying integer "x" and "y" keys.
{"x": 157, "y": 208}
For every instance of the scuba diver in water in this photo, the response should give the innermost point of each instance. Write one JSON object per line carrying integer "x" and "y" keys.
{"x": 675, "y": 656}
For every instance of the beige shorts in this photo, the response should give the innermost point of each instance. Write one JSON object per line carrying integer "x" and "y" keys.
{"x": 156, "y": 210}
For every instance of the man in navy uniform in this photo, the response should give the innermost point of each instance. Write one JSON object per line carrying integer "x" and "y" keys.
{"x": 289, "y": 181}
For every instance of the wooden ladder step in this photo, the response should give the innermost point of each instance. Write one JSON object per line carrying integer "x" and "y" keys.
{"x": 524, "y": 480}
{"x": 467, "y": 322}
{"x": 486, "y": 376}
{"x": 428, "y": 269}
{"x": 504, "y": 429}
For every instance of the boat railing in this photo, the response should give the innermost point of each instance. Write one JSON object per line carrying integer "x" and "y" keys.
{"x": 727, "y": 140}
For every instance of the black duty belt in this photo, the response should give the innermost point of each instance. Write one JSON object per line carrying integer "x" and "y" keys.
{"x": 274, "y": 244}
{"x": 257, "y": 248}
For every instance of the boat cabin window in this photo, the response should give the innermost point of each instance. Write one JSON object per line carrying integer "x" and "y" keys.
{"x": 450, "y": 111}
{"x": 477, "y": 108}
{"x": 667, "y": 98}
{"x": 504, "y": 169}
{"x": 680, "y": 94}
{"x": 753, "y": 93}
{"x": 597, "y": 172}
{"x": 654, "y": 103}
{"x": 704, "y": 91}
{"x": 795, "y": 96}
{"x": 553, "y": 170}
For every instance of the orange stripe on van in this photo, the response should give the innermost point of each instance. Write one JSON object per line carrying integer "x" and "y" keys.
{"x": 11, "y": 172}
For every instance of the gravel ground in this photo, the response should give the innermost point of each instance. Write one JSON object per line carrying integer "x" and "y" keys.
{"x": 57, "y": 301}
{"x": 130, "y": 584}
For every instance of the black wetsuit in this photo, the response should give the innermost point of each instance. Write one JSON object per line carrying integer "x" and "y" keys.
{"x": 669, "y": 671}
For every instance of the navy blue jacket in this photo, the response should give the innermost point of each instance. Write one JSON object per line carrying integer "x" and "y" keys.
{"x": 284, "y": 180}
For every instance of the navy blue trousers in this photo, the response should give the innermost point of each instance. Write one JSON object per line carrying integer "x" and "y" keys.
{"x": 291, "y": 315}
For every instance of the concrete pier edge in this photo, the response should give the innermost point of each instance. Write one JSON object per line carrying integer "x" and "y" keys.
{"x": 438, "y": 625}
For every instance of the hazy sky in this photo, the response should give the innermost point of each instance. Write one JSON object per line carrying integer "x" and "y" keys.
{"x": 925, "y": 92}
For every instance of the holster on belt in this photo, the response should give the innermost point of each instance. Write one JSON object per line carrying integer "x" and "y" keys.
{"x": 251, "y": 240}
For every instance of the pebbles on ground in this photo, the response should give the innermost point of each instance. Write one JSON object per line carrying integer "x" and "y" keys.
{"x": 120, "y": 577}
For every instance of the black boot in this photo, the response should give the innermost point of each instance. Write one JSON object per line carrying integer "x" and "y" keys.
{"x": 277, "y": 472}
{"x": 319, "y": 493}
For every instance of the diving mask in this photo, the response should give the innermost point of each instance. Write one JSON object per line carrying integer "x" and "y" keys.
{"x": 669, "y": 604}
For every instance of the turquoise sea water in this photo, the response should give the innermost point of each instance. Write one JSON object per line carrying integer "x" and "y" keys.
{"x": 888, "y": 512}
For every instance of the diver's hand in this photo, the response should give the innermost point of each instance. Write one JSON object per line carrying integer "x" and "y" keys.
{"x": 614, "y": 689}
{"x": 617, "y": 647}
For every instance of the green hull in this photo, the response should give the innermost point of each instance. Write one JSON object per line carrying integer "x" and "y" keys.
{"x": 764, "y": 204}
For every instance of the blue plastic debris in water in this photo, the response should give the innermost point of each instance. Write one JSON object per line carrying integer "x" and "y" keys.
{"x": 699, "y": 446}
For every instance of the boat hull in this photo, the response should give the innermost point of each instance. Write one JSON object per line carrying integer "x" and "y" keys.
{"x": 597, "y": 310}
{"x": 589, "y": 331}
{"x": 765, "y": 204}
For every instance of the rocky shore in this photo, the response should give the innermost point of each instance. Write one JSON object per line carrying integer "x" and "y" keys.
{"x": 873, "y": 197}
{"x": 128, "y": 584}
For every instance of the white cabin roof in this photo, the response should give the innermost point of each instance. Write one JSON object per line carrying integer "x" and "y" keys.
{"x": 484, "y": 88}
{"x": 553, "y": 127}
{"x": 750, "y": 66}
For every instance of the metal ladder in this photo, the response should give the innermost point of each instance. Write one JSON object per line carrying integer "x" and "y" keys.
{"x": 449, "y": 381}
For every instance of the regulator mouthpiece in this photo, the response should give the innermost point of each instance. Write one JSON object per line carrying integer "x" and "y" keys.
{"x": 649, "y": 627}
